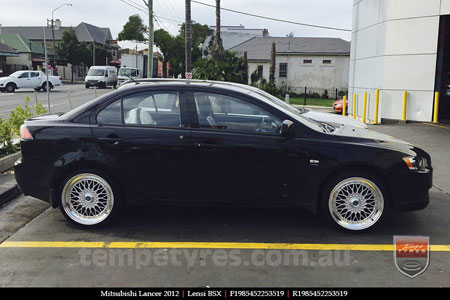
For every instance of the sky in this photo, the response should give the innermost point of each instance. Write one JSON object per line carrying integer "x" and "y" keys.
{"x": 170, "y": 14}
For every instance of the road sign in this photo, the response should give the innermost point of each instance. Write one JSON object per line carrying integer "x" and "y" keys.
{"x": 188, "y": 75}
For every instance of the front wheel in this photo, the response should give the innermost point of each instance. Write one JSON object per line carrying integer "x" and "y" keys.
{"x": 354, "y": 200}
{"x": 89, "y": 198}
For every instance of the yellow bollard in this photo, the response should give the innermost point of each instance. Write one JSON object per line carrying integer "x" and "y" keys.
{"x": 377, "y": 100}
{"x": 354, "y": 106}
{"x": 436, "y": 107}
{"x": 344, "y": 105}
{"x": 405, "y": 98}
{"x": 364, "y": 108}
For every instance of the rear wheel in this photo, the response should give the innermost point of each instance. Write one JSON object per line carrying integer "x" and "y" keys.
{"x": 354, "y": 200}
{"x": 89, "y": 198}
{"x": 44, "y": 86}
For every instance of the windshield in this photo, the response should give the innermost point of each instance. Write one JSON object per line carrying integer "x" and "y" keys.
{"x": 288, "y": 109}
{"x": 16, "y": 74}
{"x": 128, "y": 72}
{"x": 96, "y": 72}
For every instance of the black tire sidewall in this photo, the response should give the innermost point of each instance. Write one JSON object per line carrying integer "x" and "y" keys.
{"x": 323, "y": 205}
{"x": 117, "y": 192}
{"x": 8, "y": 86}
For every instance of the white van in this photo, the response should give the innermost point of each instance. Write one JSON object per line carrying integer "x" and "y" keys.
{"x": 125, "y": 73}
{"x": 101, "y": 76}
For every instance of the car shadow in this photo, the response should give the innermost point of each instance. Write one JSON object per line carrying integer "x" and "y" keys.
{"x": 264, "y": 225}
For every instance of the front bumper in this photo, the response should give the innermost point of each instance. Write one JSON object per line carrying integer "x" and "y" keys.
{"x": 409, "y": 189}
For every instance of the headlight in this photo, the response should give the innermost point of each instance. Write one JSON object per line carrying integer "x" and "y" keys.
{"x": 416, "y": 163}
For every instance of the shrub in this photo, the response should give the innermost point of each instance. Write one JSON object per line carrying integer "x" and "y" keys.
{"x": 10, "y": 127}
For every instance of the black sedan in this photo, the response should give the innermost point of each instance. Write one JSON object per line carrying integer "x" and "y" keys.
{"x": 213, "y": 143}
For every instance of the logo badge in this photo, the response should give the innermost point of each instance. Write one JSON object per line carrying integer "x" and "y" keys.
{"x": 411, "y": 254}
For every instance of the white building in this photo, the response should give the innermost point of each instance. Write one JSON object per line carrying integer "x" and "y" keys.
{"x": 318, "y": 64}
{"x": 400, "y": 45}
{"x": 235, "y": 35}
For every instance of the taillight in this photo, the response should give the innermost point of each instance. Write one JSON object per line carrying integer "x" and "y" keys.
{"x": 25, "y": 133}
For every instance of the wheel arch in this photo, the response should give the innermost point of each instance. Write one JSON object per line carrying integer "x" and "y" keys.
{"x": 377, "y": 172}
{"x": 62, "y": 174}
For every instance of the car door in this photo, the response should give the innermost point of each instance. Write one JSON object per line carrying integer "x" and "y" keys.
{"x": 24, "y": 80}
{"x": 239, "y": 154}
{"x": 35, "y": 79}
{"x": 145, "y": 135}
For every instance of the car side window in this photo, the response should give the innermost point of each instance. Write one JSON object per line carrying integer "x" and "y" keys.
{"x": 25, "y": 75}
{"x": 34, "y": 74}
{"x": 148, "y": 108}
{"x": 221, "y": 112}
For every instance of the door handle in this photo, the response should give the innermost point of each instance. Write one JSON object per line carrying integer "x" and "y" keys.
{"x": 205, "y": 145}
{"x": 112, "y": 140}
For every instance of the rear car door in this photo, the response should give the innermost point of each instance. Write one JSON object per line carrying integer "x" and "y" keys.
{"x": 239, "y": 154}
{"x": 145, "y": 135}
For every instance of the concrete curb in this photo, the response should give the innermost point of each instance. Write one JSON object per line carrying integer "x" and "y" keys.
{"x": 9, "y": 194}
{"x": 9, "y": 188}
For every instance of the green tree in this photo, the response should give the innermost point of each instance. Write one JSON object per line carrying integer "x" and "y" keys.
{"x": 70, "y": 49}
{"x": 230, "y": 68}
{"x": 134, "y": 30}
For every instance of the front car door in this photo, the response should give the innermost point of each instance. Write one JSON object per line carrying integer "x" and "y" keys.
{"x": 239, "y": 154}
{"x": 146, "y": 136}
{"x": 24, "y": 80}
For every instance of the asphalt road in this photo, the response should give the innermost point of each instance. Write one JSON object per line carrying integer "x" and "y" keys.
{"x": 59, "y": 98}
{"x": 178, "y": 247}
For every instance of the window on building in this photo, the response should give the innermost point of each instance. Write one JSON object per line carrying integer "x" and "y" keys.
{"x": 326, "y": 61}
{"x": 260, "y": 71}
{"x": 307, "y": 61}
{"x": 283, "y": 70}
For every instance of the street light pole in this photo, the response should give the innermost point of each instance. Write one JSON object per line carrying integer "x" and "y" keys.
{"x": 53, "y": 28}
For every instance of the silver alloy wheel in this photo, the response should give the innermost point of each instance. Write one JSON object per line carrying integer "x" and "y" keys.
{"x": 87, "y": 199}
{"x": 356, "y": 203}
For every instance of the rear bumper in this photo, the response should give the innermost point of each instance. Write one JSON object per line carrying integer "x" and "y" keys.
{"x": 31, "y": 185}
{"x": 410, "y": 190}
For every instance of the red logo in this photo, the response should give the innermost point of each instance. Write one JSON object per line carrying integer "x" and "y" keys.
{"x": 411, "y": 254}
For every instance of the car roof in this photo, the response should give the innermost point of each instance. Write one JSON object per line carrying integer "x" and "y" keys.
{"x": 242, "y": 88}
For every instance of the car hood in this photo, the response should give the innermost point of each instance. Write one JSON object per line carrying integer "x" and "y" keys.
{"x": 5, "y": 77}
{"x": 333, "y": 119}
{"x": 360, "y": 135}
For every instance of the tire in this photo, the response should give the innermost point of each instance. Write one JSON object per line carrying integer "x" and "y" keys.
{"x": 44, "y": 86}
{"x": 37, "y": 89}
{"x": 90, "y": 198}
{"x": 10, "y": 88}
{"x": 115, "y": 85}
{"x": 86, "y": 85}
{"x": 354, "y": 200}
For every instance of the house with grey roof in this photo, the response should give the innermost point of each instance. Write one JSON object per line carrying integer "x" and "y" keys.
{"x": 6, "y": 52}
{"x": 85, "y": 33}
{"x": 318, "y": 64}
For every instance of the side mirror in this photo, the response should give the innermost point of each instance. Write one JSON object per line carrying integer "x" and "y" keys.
{"x": 287, "y": 128}
{"x": 106, "y": 74}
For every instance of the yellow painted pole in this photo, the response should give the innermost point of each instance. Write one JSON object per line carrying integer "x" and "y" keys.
{"x": 354, "y": 106}
{"x": 436, "y": 107}
{"x": 405, "y": 98}
{"x": 377, "y": 100}
{"x": 364, "y": 108}
{"x": 344, "y": 102}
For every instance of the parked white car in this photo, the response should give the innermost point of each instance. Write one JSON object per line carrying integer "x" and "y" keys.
{"x": 28, "y": 79}
{"x": 101, "y": 76}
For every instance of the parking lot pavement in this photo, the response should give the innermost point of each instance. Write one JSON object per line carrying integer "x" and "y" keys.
{"x": 59, "y": 98}
{"x": 435, "y": 139}
{"x": 230, "y": 246}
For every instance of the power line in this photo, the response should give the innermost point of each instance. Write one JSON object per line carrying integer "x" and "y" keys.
{"x": 141, "y": 9}
{"x": 273, "y": 19}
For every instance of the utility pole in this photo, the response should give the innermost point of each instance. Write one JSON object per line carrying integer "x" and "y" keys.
{"x": 47, "y": 87}
{"x": 188, "y": 38}
{"x": 149, "y": 4}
